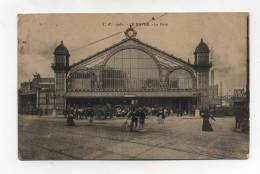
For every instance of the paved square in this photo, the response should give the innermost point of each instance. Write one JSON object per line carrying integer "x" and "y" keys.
{"x": 48, "y": 138}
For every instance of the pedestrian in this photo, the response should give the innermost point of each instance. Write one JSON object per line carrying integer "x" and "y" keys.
{"x": 75, "y": 113}
{"x": 70, "y": 118}
{"x": 161, "y": 115}
{"x": 66, "y": 112}
{"x": 141, "y": 115}
{"x": 206, "y": 115}
{"x": 134, "y": 120}
{"x": 179, "y": 112}
{"x": 90, "y": 114}
{"x": 166, "y": 111}
{"x": 238, "y": 116}
{"x": 85, "y": 113}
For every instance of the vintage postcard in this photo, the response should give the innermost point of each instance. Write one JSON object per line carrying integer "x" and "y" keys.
{"x": 133, "y": 86}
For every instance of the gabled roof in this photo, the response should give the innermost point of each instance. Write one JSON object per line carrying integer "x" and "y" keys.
{"x": 136, "y": 40}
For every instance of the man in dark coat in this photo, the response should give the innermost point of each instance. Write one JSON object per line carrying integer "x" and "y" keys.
{"x": 141, "y": 115}
{"x": 134, "y": 119}
{"x": 70, "y": 117}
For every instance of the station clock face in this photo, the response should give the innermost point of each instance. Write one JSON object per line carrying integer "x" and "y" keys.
{"x": 130, "y": 32}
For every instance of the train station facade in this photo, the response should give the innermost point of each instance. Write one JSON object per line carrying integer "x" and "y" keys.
{"x": 132, "y": 70}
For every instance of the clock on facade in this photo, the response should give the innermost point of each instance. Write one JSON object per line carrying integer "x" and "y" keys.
{"x": 130, "y": 32}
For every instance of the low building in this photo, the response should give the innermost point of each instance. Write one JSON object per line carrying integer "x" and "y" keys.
{"x": 37, "y": 96}
{"x": 214, "y": 98}
{"x": 241, "y": 109}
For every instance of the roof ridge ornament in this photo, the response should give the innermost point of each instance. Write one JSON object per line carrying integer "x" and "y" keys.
{"x": 130, "y": 32}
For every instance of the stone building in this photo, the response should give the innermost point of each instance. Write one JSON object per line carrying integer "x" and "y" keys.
{"x": 37, "y": 96}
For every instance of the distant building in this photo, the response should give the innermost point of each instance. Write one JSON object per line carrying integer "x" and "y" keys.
{"x": 37, "y": 96}
{"x": 239, "y": 93}
{"x": 214, "y": 98}
{"x": 239, "y": 96}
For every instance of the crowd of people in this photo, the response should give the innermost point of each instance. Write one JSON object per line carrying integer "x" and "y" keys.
{"x": 135, "y": 114}
{"x": 72, "y": 113}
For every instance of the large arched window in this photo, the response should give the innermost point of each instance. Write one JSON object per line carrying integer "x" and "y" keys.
{"x": 181, "y": 79}
{"x": 130, "y": 69}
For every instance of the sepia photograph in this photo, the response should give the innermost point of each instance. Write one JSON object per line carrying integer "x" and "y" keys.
{"x": 133, "y": 86}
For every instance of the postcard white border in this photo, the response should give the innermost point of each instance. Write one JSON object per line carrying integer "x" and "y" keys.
{"x": 8, "y": 112}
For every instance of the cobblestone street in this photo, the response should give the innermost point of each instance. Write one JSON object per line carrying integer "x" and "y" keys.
{"x": 47, "y": 138}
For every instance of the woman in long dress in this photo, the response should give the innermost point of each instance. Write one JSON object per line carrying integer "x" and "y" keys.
{"x": 206, "y": 126}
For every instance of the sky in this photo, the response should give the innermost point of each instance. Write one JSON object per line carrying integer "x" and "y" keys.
{"x": 175, "y": 33}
